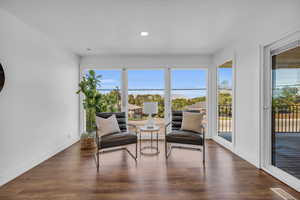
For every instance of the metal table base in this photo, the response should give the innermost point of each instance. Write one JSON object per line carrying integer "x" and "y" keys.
{"x": 151, "y": 146}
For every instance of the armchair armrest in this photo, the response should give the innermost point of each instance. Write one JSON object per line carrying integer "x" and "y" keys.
{"x": 166, "y": 126}
{"x": 203, "y": 130}
{"x": 97, "y": 138}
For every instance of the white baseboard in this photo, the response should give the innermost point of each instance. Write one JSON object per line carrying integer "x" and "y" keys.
{"x": 223, "y": 143}
{"x": 246, "y": 158}
{"x": 283, "y": 176}
{"x": 243, "y": 156}
{"x": 23, "y": 167}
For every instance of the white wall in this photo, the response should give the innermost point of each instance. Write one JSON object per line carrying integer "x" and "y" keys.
{"x": 38, "y": 105}
{"x": 277, "y": 19}
{"x": 146, "y": 61}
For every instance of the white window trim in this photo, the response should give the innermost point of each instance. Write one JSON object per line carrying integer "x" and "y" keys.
{"x": 167, "y": 91}
{"x": 216, "y": 137}
{"x": 265, "y": 108}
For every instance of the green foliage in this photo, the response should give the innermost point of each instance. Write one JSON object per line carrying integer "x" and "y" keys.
{"x": 181, "y": 103}
{"x": 110, "y": 102}
{"x": 177, "y": 104}
{"x": 92, "y": 98}
{"x": 225, "y": 99}
{"x": 94, "y": 101}
{"x": 87, "y": 135}
{"x": 288, "y": 96}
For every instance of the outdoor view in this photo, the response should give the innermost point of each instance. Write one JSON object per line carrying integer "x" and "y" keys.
{"x": 225, "y": 101}
{"x": 145, "y": 86}
{"x": 286, "y": 111}
{"x": 108, "y": 90}
{"x": 189, "y": 90}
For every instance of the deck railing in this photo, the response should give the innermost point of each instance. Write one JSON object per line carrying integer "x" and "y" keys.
{"x": 286, "y": 119}
{"x": 225, "y": 118}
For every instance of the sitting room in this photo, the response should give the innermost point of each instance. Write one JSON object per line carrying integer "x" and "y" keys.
{"x": 149, "y": 100}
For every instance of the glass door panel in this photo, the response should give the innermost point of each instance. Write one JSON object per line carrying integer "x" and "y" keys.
{"x": 286, "y": 111}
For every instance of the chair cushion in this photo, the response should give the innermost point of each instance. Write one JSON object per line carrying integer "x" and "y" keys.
{"x": 184, "y": 137}
{"x": 118, "y": 139}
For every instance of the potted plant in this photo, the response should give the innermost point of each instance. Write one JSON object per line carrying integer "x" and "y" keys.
{"x": 87, "y": 141}
{"x": 92, "y": 99}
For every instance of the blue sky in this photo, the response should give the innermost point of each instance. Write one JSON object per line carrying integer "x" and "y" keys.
{"x": 183, "y": 78}
{"x": 286, "y": 77}
{"x": 154, "y": 79}
{"x": 225, "y": 74}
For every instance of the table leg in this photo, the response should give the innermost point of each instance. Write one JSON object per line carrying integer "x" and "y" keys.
{"x": 140, "y": 141}
{"x": 157, "y": 141}
{"x": 151, "y": 138}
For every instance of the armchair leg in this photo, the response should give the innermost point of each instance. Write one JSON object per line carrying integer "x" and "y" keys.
{"x": 136, "y": 153}
{"x": 203, "y": 152}
{"x": 98, "y": 161}
{"x": 166, "y": 149}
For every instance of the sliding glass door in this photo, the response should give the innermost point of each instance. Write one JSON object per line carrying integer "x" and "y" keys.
{"x": 285, "y": 123}
{"x": 280, "y": 115}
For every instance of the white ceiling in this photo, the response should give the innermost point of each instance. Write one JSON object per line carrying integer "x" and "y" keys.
{"x": 113, "y": 26}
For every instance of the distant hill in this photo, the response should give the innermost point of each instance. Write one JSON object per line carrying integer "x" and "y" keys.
{"x": 178, "y": 96}
{"x": 174, "y": 96}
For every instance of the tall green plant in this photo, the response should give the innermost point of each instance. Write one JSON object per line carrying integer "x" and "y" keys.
{"x": 92, "y": 98}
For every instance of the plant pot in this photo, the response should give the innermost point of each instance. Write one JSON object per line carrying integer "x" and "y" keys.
{"x": 87, "y": 143}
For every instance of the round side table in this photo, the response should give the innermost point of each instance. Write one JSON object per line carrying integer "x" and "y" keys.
{"x": 155, "y": 130}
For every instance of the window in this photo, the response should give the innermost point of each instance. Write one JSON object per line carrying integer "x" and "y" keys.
{"x": 145, "y": 86}
{"x": 225, "y": 101}
{"x": 109, "y": 90}
{"x": 189, "y": 90}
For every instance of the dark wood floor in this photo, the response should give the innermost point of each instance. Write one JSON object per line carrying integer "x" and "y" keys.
{"x": 72, "y": 175}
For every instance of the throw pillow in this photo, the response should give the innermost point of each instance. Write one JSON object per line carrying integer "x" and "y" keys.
{"x": 192, "y": 121}
{"x": 107, "y": 126}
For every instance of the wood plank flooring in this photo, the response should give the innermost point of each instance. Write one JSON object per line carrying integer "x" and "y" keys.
{"x": 71, "y": 175}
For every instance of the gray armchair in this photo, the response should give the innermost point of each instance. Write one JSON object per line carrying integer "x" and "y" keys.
{"x": 125, "y": 137}
{"x": 178, "y": 136}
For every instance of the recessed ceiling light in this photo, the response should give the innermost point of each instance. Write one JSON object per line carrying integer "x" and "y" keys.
{"x": 144, "y": 34}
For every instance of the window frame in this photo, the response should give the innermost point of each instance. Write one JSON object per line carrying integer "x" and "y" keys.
{"x": 266, "y": 51}
{"x": 167, "y": 89}
{"x": 227, "y": 144}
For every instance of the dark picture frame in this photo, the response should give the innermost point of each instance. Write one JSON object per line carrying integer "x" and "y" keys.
{"x": 2, "y": 77}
